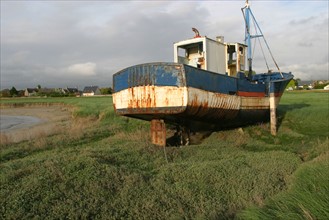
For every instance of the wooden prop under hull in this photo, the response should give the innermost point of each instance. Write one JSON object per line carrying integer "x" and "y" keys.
{"x": 158, "y": 132}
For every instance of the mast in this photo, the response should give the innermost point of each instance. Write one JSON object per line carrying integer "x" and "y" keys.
{"x": 247, "y": 39}
{"x": 247, "y": 16}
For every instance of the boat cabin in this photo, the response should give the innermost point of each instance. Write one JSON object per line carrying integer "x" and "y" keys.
{"x": 212, "y": 55}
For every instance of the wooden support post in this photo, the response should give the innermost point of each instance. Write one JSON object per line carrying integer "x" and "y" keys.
{"x": 273, "y": 114}
{"x": 158, "y": 132}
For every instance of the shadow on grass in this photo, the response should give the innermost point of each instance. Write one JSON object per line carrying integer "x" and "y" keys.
{"x": 283, "y": 109}
{"x": 199, "y": 131}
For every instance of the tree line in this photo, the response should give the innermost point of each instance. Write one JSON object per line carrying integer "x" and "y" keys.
{"x": 39, "y": 91}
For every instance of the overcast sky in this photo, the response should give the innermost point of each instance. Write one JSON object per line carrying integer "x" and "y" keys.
{"x": 80, "y": 43}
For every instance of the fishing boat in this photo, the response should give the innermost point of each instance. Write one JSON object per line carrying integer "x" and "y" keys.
{"x": 210, "y": 85}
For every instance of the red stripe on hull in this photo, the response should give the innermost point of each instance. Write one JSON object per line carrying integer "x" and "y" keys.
{"x": 251, "y": 94}
{"x": 257, "y": 94}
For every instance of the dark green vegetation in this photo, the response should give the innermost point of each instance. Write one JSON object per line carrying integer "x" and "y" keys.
{"x": 103, "y": 166}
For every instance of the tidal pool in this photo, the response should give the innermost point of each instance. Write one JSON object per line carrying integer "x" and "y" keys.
{"x": 11, "y": 122}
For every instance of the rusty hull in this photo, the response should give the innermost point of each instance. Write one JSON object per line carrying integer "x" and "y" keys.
{"x": 184, "y": 95}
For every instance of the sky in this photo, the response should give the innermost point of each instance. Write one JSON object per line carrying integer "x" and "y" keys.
{"x": 82, "y": 43}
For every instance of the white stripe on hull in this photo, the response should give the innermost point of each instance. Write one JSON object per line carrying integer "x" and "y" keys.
{"x": 257, "y": 102}
{"x": 210, "y": 105}
{"x": 153, "y": 97}
{"x": 150, "y": 97}
{"x": 198, "y": 97}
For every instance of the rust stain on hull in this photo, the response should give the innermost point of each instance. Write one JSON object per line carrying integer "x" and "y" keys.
{"x": 209, "y": 105}
{"x": 151, "y": 100}
{"x": 180, "y": 105}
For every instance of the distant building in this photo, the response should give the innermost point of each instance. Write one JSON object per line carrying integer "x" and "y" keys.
{"x": 30, "y": 92}
{"x": 74, "y": 91}
{"x": 320, "y": 84}
{"x": 306, "y": 82}
{"x": 90, "y": 91}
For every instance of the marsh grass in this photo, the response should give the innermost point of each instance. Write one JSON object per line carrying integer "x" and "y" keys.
{"x": 306, "y": 198}
{"x": 103, "y": 166}
{"x": 4, "y": 139}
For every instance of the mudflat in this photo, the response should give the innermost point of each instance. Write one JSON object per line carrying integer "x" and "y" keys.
{"x": 25, "y": 123}
{"x": 9, "y": 123}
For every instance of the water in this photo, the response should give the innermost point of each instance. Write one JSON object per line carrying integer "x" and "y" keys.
{"x": 8, "y": 123}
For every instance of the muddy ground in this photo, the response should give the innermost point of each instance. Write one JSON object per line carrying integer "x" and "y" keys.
{"x": 53, "y": 119}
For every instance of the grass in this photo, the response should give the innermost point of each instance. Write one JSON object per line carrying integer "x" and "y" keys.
{"x": 306, "y": 198}
{"x": 104, "y": 167}
{"x": 85, "y": 106}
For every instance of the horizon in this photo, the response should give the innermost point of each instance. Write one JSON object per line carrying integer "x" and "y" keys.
{"x": 102, "y": 87}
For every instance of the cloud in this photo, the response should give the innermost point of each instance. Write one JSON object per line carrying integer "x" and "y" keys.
{"x": 19, "y": 57}
{"x": 83, "y": 69}
{"x": 302, "y": 21}
{"x": 305, "y": 44}
{"x": 69, "y": 43}
{"x": 310, "y": 71}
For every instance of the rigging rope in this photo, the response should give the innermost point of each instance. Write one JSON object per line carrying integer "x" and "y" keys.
{"x": 268, "y": 69}
{"x": 262, "y": 35}
{"x": 261, "y": 47}
{"x": 266, "y": 44}
{"x": 253, "y": 51}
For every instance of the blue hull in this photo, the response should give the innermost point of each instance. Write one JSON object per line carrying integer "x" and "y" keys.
{"x": 172, "y": 74}
{"x": 211, "y": 98}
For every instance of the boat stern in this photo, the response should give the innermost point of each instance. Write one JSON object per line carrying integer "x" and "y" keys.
{"x": 145, "y": 90}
